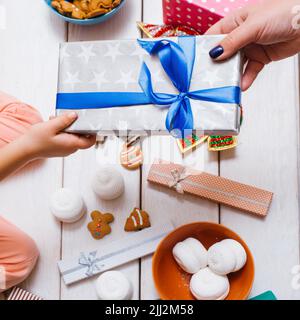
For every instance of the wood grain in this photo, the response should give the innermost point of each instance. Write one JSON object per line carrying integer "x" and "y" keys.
{"x": 79, "y": 169}
{"x": 28, "y": 67}
{"x": 161, "y": 202}
{"x": 267, "y": 157}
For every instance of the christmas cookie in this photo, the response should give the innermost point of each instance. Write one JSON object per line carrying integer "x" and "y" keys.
{"x": 131, "y": 155}
{"x": 138, "y": 220}
{"x": 99, "y": 227}
{"x": 190, "y": 142}
{"x": 84, "y": 9}
{"x": 219, "y": 143}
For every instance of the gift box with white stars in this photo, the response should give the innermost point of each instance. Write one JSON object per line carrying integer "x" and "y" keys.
{"x": 114, "y": 67}
{"x": 199, "y": 14}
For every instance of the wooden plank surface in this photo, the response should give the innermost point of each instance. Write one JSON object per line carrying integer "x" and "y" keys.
{"x": 160, "y": 202}
{"x": 29, "y": 71}
{"x": 267, "y": 156}
{"x": 79, "y": 169}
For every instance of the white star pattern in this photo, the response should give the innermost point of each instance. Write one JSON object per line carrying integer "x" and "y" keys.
{"x": 99, "y": 78}
{"x": 63, "y": 52}
{"x": 87, "y": 53}
{"x": 113, "y": 51}
{"x": 126, "y": 79}
{"x": 157, "y": 76}
{"x": 138, "y": 53}
{"x": 72, "y": 79}
{"x": 209, "y": 76}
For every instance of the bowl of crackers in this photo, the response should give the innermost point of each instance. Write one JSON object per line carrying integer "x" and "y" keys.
{"x": 85, "y": 12}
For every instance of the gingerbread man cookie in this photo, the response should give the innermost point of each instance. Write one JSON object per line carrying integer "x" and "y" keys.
{"x": 99, "y": 227}
{"x": 138, "y": 220}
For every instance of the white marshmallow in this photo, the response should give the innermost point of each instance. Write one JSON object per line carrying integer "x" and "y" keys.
{"x": 239, "y": 251}
{"x": 67, "y": 205}
{"x": 114, "y": 285}
{"x": 191, "y": 255}
{"x": 221, "y": 259}
{"x": 108, "y": 183}
{"x": 206, "y": 285}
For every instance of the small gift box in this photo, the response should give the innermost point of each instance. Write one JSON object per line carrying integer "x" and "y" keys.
{"x": 211, "y": 187}
{"x": 199, "y": 14}
{"x": 114, "y": 254}
{"x": 157, "y": 86}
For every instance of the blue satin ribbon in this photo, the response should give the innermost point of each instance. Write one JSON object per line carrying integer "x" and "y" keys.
{"x": 177, "y": 60}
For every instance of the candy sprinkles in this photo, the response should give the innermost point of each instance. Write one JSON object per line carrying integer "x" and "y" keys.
{"x": 219, "y": 143}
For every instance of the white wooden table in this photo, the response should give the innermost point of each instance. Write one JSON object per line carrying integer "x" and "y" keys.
{"x": 267, "y": 156}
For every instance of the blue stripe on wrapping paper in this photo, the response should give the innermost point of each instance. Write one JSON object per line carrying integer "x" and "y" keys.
{"x": 177, "y": 60}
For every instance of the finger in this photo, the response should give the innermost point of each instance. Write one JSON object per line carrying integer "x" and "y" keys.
{"x": 52, "y": 117}
{"x": 237, "y": 39}
{"x": 282, "y": 50}
{"x": 63, "y": 121}
{"x": 85, "y": 142}
{"x": 229, "y": 23}
{"x": 252, "y": 70}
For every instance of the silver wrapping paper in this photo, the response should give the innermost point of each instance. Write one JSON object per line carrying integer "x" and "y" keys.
{"x": 114, "y": 66}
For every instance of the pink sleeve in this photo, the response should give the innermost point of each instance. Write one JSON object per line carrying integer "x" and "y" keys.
{"x": 18, "y": 255}
{"x": 15, "y": 118}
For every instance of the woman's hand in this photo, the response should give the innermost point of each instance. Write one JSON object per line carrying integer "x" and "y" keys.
{"x": 46, "y": 140}
{"x": 268, "y": 31}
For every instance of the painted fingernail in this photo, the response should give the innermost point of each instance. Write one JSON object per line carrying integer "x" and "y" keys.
{"x": 216, "y": 52}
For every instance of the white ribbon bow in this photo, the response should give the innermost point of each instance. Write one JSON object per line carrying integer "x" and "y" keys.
{"x": 90, "y": 262}
{"x": 177, "y": 178}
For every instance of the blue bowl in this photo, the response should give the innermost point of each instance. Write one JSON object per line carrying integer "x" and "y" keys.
{"x": 87, "y": 22}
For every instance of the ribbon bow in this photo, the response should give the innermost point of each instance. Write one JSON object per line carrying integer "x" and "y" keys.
{"x": 178, "y": 61}
{"x": 90, "y": 262}
{"x": 177, "y": 178}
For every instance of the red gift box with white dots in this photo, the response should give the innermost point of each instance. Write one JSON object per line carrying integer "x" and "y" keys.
{"x": 199, "y": 14}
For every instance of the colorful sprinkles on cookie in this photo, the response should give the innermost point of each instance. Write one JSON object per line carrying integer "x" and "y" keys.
{"x": 219, "y": 143}
{"x": 190, "y": 142}
{"x": 99, "y": 227}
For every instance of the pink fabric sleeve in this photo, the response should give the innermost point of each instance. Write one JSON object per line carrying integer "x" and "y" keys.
{"x": 15, "y": 118}
{"x": 18, "y": 255}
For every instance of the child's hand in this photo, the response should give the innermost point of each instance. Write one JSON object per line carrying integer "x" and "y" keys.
{"x": 46, "y": 140}
{"x": 268, "y": 31}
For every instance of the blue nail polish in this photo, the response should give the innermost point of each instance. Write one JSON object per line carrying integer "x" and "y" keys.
{"x": 216, "y": 52}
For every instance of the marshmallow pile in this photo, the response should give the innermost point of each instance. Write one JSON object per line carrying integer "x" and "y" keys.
{"x": 210, "y": 267}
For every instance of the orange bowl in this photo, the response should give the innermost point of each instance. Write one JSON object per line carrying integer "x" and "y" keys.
{"x": 172, "y": 283}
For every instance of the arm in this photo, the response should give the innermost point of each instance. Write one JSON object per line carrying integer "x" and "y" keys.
{"x": 43, "y": 140}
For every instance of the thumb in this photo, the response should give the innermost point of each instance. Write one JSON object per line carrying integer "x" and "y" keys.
{"x": 63, "y": 121}
{"x": 233, "y": 42}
